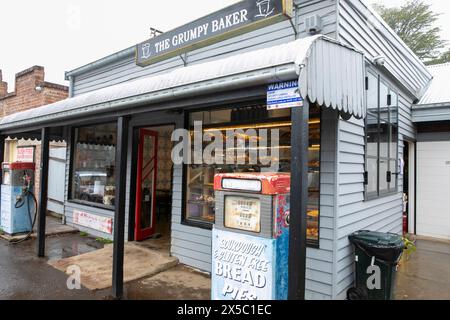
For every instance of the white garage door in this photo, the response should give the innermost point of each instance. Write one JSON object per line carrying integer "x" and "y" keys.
{"x": 433, "y": 189}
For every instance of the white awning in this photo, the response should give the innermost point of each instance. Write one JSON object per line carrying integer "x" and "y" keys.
{"x": 329, "y": 73}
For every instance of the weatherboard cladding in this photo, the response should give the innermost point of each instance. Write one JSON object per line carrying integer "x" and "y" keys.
{"x": 193, "y": 245}
{"x": 343, "y": 209}
{"x": 126, "y": 70}
{"x": 353, "y": 212}
{"x": 359, "y": 26}
{"x": 307, "y": 57}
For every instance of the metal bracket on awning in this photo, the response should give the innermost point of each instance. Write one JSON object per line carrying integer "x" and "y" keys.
{"x": 184, "y": 58}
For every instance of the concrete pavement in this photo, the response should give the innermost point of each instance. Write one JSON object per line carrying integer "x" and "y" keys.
{"x": 24, "y": 276}
{"x": 426, "y": 275}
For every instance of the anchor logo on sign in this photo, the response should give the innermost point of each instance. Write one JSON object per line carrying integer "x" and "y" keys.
{"x": 265, "y": 8}
{"x": 146, "y": 53}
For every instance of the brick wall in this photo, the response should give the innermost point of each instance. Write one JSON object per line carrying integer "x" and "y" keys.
{"x": 26, "y": 95}
{"x": 3, "y": 86}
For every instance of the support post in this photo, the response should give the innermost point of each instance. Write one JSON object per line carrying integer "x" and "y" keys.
{"x": 119, "y": 214}
{"x": 133, "y": 184}
{"x": 43, "y": 184}
{"x": 2, "y": 156}
{"x": 2, "y": 159}
{"x": 299, "y": 199}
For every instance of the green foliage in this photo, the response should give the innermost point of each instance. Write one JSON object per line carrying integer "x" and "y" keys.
{"x": 414, "y": 23}
{"x": 443, "y": 58}
{"x": 410, "y": 247}
{"x": 83, "y": 234}
{"x": 1, "y": 231}
{"x": 103, "y": 240}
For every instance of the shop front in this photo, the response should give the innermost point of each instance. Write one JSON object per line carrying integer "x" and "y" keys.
{"x": 249, "y": 130}
{"x": 143, "y": 153}
{"x": 92, "y": 180}
{"x": 160, "y": 198}
{"x": 245, "y": 129}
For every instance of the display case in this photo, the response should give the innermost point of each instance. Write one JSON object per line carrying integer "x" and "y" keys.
{"x": 200, "y": 195}
{"x": 93, "y": 165}
{"x": 94, "y": 178}
{"x": 250, "y": 140}
{"x": 200, "y": 203}
{"x": 313, "y": 180}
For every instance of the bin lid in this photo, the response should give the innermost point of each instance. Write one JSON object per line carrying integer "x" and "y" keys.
{"x": 386, "y": 247}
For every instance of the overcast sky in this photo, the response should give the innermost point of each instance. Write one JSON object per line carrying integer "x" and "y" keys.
{"x": 66, "y": 34}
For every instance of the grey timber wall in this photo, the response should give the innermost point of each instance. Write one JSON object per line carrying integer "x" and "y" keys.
{"x": 319, "y": 262}
{"x": 360, "y": 28}
{"x": 126, "y": 69}
{"x": 343, "y": 208}
{"x": 353, "y": 211}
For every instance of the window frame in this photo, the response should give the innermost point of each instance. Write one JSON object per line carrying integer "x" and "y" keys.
{"x": 394, "y": 171}
{"x": 390, "y": 125}
{"x": 204, "y": 224}
{"x": 71, "y": 164}
{"x": 310, "y": 243}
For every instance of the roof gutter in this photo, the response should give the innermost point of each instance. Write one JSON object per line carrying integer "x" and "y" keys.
{"x": 431, "y": 112}
{"x": 124, "y": 54}
{"x": 258, "y": 77}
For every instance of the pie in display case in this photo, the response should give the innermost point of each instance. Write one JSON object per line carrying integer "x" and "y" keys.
{"x": 200, "y": 193}
{"x": 268, "y": 141}
{"x": 313, "y": 181}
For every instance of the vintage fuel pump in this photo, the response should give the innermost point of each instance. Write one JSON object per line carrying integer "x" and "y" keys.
{"x": 18, "y": 203}
{"x": 251, "y": 236}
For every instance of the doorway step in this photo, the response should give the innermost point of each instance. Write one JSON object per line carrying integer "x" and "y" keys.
{"x": 96, "y": 266}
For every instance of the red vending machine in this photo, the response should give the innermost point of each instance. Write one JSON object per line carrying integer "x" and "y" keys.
{"x": 251, "y": 236}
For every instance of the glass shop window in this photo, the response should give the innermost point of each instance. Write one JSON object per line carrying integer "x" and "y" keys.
{"x": 249, "y": 123}
{"x": 93, "y": 164}
{"x": 381, "y": 138}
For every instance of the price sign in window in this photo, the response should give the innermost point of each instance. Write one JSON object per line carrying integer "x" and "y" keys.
{"x": 243, "y": 213}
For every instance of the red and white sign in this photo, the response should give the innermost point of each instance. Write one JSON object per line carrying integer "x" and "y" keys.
{"x": 25, "y": 154}
{"x": 93, "y": 221}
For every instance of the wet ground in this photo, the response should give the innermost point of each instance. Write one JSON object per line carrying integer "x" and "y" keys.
{"x": 24, "y": 276}
{"x": 178, "y": 283}
{"x": 426, "y": 275}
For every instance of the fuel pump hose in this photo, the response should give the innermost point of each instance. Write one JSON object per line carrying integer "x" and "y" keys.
{"x": 20, "y": 203}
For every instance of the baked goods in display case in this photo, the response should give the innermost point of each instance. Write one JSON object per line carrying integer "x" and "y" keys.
{"x": 200, "y": 194}
{"x": 312, "y": 222}
{"x": 110, "y": 195}
{"x": 312, "y": 233}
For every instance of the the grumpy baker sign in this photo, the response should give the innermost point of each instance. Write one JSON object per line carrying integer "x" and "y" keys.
{"x": 237, "y": 19}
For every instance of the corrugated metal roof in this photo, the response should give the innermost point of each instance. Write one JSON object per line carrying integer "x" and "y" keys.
{"x": 329, "y": 73}
{"x": 439, "y": 90}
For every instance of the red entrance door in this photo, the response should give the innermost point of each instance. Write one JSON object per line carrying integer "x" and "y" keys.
{"x": 146, "y": 184}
